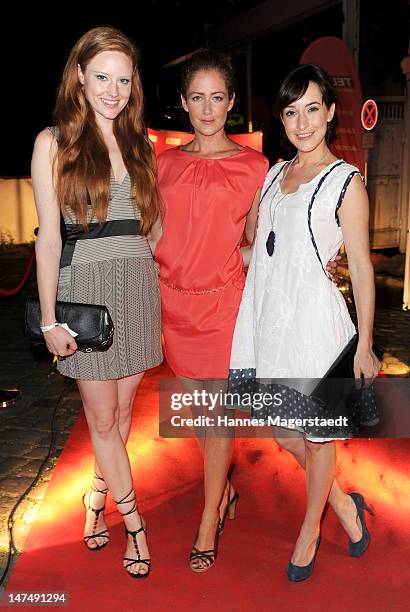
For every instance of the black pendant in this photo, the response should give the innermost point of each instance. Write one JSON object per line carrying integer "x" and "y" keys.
{"x": 270, "y": 243}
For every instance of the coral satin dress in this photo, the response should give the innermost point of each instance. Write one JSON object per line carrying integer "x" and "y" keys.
{"x": 201, "y": 270}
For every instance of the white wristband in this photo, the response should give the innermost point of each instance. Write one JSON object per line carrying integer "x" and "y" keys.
{"x": 46, "y": 328}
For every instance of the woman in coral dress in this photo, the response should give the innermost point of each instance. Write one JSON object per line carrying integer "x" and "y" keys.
{"x": 210, "y": 189}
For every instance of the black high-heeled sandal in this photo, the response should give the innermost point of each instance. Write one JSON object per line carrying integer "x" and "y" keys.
{"x": 208, "y": 557}
{"x": 230, "y": 508}
{"x": 356, "y": 549}
{"x": 134, "y": 534}
{"x": 97, "y": 511}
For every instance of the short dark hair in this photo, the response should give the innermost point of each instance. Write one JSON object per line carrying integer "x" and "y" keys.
{"x": 208, "y": 59}
{"x": 294, "y": 86}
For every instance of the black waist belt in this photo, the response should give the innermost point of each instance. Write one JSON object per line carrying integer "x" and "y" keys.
{"x": 75, "y": 231}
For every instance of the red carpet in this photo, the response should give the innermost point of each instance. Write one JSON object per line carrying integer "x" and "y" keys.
{"x": 254, "y": 549}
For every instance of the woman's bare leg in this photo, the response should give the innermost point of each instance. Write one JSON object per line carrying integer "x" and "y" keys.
{"x": 100, "y": 401}
{"x": 217, "y": 453}
{"x": 320, "y": 473}
{"x": 342, "y": 504}
{"x": 127, "y": 388}
{"x": 190, "y": 385}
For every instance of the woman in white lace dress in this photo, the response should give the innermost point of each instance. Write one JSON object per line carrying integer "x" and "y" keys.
{"x": 293, "y": 322}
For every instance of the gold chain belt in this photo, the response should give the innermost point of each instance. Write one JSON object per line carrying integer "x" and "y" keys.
{"x": 191, "y": 291}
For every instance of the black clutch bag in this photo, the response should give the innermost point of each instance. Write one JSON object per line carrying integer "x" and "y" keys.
{"x": 339, "y": 375}
{"x": 339, "y": 379}
{"x": 91, "y": 322}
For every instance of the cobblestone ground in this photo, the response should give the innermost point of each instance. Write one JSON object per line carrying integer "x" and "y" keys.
{"x": 25, "y": 428}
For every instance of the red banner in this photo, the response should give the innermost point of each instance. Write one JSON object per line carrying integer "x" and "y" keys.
{"x": 334, "y": 56}
{"x": 164, "y": 139}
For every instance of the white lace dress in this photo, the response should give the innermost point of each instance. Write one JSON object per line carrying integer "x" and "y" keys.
{"x": 293, "y": 322}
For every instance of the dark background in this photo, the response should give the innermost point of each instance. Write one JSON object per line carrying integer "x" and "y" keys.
{"x": 34, "y": 49}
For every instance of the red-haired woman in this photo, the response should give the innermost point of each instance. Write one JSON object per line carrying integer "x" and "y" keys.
{"x": 96, "y": 166}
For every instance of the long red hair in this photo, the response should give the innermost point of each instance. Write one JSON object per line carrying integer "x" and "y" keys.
{"x": 83, "y": 166}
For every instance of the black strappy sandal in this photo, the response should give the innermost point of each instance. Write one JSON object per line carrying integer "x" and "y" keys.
{"x": 97, "y": 511}
{"x": 134, "y": 534}
{"x": 208, "y": 557}
{"x": 230, "y": 508}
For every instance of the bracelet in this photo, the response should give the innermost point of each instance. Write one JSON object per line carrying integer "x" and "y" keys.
{"x": 46, "y": 328}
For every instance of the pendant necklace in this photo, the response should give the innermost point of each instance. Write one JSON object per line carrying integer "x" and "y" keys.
{"x": 270, "y": 242}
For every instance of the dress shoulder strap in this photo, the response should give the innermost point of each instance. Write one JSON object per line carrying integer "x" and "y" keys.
{"x": 343, "y": 192}
{"x": 312, "y": 199}
{"x": 54, "y": 130}
{"x": 275, "y": 176}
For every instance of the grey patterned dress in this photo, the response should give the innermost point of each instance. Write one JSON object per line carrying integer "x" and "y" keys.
{"x": 113, "y": 265}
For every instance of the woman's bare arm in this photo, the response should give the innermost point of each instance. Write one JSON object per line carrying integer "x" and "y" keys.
{"x": 250, "y": 229}
{"x": 354, "y": 221}
{"x": 48, "y": 244}
{"x": 154, "y": 235}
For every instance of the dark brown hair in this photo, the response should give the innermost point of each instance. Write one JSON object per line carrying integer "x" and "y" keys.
{"x": 294, "y": 86}
{"x": 208, "y": 59}
{"x": 82, "y": 162}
